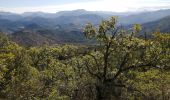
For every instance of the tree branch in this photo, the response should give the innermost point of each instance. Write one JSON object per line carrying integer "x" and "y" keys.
{"x": 141, "y": 65}
{"x": 96, "y": 61}
{"x": 90, "y": 72}
{"x": 107, "y": 53}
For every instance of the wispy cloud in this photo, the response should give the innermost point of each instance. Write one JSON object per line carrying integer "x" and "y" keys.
{"x": 98, "y": 5}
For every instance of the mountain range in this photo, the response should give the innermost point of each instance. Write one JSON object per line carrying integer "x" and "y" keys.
{"x": 36, "y": 28}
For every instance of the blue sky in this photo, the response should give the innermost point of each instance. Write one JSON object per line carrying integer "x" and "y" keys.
{"x": 52, "y": 6}
{"x": 33, "y": 3}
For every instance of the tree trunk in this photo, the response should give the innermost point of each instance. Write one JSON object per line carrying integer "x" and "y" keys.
{"x": 107, "y": 92}
{"x": 98, "y": 93}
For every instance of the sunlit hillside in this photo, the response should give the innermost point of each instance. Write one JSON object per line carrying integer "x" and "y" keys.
{"x": 84, "y": 50}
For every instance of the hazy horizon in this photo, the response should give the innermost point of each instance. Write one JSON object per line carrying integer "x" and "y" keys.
{"x": 53, "y": 6}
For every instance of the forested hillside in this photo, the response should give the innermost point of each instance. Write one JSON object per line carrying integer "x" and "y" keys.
{"x": 37, "y": 28}
{"x": 120, "y": 65}
{"x": 38, "y": 38}
{"x": 162, "y": 25}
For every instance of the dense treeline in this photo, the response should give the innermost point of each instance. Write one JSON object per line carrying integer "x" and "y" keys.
{"x": 121, "y": 66}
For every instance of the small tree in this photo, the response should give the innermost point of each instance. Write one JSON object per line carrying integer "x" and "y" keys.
{"x": 117, "y": 52}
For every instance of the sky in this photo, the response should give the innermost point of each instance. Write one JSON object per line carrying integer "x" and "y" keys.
{"x": 53, "y": 6}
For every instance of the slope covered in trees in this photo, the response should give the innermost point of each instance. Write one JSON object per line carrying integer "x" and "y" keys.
{"x": 144, "y": 17}
{"x": 163, "y": 25}
{"x": 38, "y": 38}
{"x": 37, "y": 28}
{"x": 120, "y": 66}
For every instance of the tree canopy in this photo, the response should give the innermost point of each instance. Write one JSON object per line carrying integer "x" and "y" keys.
{"x": 120, "y": 65}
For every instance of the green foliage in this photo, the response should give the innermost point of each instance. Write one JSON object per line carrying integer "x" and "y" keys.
{"x": 120, "y": 53}
{"x": 120, "y": 66}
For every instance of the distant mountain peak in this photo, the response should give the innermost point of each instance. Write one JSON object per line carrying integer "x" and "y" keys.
{"x": 79, "y": 10}
{"x": 6, "y": 13}
{"x": 73, "y": 12}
